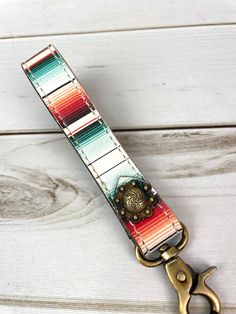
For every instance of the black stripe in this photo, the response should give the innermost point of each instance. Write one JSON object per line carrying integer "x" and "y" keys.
{"x": 103, "y": 155}
{"x": 77, "y": 114}
{"x": 57, "y": 88}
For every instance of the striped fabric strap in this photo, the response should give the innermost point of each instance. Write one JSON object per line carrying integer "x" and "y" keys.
{"x": 111, "y": 167}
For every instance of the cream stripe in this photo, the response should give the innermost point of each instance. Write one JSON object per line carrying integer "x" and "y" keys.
{"x": 82, "y": 123}
{"x": 108, "y": 162}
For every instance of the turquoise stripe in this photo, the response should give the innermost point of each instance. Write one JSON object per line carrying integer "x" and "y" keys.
{"x": 42, "y": 73}
{"x": 44, "y": 66}
{"x": 54, "y": 75}
{"x": 89, "y": 133}
{"x": 120, "y": 175}
{"x": 46, "y": 69}
{"x": 99, "y": 146}
{"x": 47, "y": 66}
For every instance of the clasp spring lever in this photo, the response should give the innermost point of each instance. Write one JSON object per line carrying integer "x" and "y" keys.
{"x": 188, "y": 283}
{"x": 184, "y": 279}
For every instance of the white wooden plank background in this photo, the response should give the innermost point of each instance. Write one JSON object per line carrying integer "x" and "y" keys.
{"x": 172, "y": 66}
{"x": 64, "y": 235}
{"x": 159, "y": 78}
{"x": 39, "y": 17}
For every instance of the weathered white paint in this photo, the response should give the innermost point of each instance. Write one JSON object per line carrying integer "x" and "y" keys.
{"x": 19, "y": 306}
{"x": 157, "y": 78}
{"x": 30, "y": 18}
{"x": 62, "y": 249}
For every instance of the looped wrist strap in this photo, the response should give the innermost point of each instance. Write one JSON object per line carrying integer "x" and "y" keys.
{"x": 148, "y": 221}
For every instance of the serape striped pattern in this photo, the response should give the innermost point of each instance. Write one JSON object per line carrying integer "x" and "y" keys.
{"x": 95, "y": 143}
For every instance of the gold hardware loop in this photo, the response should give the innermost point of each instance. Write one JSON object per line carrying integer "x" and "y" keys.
{"x": 185, "y": 237}
{"x": 160, "y": 260}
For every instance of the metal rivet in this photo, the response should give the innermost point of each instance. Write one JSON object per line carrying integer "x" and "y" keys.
{"x": 146, "y": 187}
{"x": 117, "y": 200}
{"x": 122, "y": 212}
{"x": 133, "y": 183}
{"x": 122, "y": 188}
{"x": 181, "y": 276}
{"x": 152, "y": 199}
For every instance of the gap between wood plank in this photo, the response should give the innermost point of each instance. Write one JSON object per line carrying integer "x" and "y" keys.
{"x": 169, "y": 128}
{"x": 104, "y": 305}
{"x": 121, "y": 30}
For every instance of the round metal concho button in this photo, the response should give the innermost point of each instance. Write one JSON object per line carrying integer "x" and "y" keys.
{"x": 135, "y": 201}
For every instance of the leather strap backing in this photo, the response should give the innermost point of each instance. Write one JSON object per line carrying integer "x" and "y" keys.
{"x": 97, "y": 146}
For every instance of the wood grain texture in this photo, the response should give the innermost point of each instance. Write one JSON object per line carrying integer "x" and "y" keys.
{"x": 154, "y": 79}
{"x": 20, "y": 306}
{"x": 73, "y": 250}
{"x": 158, "y": 64}
{"x": 41, "y": 17}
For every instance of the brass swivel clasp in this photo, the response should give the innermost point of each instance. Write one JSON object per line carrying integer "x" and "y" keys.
{"x": 184, "y": 279}
{"x": 187, "y": 282}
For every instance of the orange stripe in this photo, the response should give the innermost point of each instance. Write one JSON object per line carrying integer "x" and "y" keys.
{"x": 159, "y": 233}
{"x": 157, "y": 226}
{"x": 149, "y": 224}
{"x": 151, "y": 242}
